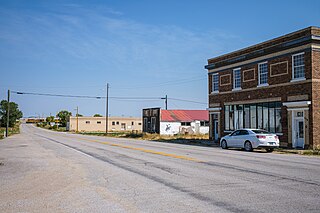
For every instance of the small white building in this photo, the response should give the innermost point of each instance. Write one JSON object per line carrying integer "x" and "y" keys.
{"x": 171, "y": 122}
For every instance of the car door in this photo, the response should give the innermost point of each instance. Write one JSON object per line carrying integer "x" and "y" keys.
{"x": 243, "y": 137}
{"x": 234, "y": 137}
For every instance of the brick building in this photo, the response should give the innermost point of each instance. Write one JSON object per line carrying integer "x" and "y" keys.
{"x": 274, "y": 85}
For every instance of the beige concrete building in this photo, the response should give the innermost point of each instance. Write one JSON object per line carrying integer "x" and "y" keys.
{"x": 98, "y": 124}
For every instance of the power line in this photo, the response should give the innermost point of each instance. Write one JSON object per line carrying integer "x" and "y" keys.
{"x": 85, "y": 96}
{"x": 103, "y": 97}
{"x": 196, "y": 102}
{"x": 57, "y": 95}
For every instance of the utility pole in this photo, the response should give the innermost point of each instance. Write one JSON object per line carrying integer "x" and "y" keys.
{"x": 107, "y": 108}
{"x": 8, "y": 114}
{"x": 77, "y": 119}
{"x": 166, "y": 101}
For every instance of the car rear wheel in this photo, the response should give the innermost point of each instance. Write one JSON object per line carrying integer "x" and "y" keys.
{"x": 248, "y": 146}
{"x": 269, "y": 150}
{"x": 224, "y": 144}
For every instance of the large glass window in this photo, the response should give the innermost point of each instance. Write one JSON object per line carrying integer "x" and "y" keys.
{"x": 246, "y": 122}
{"x": 215, "y": 82}
{"x": 263, "y": 73}
{"x": 240, "y": 116}
{"x": 265, "y": 116}
{"x": 278, "y": 117}
{"x": 231, "y": 118}
{"x": 298, "y": 66}
{"x": 260, "y": 116}
{"x": 237, "y": 79}
{"x": 226, "y": 117}
{"x": 253, "y": 116}
{"x": 272, "y": 121}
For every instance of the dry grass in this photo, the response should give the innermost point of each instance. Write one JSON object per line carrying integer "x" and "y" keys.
{"x": 12, "y": 130}
{"x": 183, "y": 139}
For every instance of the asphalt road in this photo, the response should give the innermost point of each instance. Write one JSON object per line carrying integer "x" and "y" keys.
{"x": 44, "y": 171}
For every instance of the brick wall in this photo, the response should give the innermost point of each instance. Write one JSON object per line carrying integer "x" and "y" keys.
{"x": 315, "y": 128}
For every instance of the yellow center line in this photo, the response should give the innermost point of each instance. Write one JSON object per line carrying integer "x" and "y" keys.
{"x": 142, "y": 150}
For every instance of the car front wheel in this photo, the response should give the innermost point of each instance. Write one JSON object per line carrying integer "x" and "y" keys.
{"x": 248, "y": 146}
{"x": 224, "y": 144}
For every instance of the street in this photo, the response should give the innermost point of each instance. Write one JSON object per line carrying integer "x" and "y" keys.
{"x": 46, "y": 171}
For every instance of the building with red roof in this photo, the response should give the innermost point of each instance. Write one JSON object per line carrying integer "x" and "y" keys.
{"x": 171, "y": 122}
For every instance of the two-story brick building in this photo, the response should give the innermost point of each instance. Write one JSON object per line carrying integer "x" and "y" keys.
{"x": 274, "y": 85}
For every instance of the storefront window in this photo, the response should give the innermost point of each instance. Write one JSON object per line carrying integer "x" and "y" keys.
{"x": 246, "y": 116}
{"x": 272, "y": 124}
{"x": 278, "y": 117}
{"x": 260, "y": 116}
{"x": 265, "y": 116}
{"x": 226, "y": 117}
{"x": 231, "y": 118}
{"x": 253, "y": 116}
{"x": 240, "y": 114}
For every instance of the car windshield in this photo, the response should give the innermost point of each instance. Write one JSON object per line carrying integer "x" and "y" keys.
{"x": 260, "y": 131}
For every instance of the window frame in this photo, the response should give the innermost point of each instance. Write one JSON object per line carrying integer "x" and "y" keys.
{"x": 259, "y": 74}
{"x": 215, "y": 83}
{"x": 293, "y": 67}
{"x": 234, "y": 80}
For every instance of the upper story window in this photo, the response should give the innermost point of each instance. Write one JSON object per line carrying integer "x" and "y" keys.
{"x": 215, "y": 82}
{"x": 298, "y": 71}
{"x": 237, "y": 78}
{"x": 263, "y": 73}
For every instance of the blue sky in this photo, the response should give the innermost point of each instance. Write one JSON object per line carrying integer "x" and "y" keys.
{"x": 143, "y": 48}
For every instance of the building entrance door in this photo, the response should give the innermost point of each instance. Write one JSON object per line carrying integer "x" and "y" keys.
{"x": 299, "y": 133}
{"x": 215, "y": 130}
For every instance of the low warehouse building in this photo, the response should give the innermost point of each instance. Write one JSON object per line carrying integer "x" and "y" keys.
{"x": 98, "y": 124}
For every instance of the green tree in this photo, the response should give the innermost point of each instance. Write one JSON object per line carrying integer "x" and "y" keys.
{"x": 97, "y": 115}
{"x": 50, "y": 119}
{"x": 14, "y": 113}
{"x": 79, "y": 115}
{"x": 64, "y": 116}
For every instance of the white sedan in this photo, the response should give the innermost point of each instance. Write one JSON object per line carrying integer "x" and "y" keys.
{"x": 250, "y": 139}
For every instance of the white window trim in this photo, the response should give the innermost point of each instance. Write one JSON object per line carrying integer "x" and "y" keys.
{"x": 212, "y": 87}
{"x": 264, "y": 84}
{"x": 234, "y": 88}
{"x": 292, "y": 71}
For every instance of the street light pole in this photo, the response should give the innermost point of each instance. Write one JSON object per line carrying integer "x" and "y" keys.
{"x": 107, "y": 108}
{"x": 8, "y": 114}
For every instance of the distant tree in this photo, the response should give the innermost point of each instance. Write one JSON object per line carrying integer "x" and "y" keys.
{"x": 79, "y": 115}
{"x": 50, "y": 119}
{"x": 14, "y": 113}
{"x": 97, "y": 115}
{"x": 64, "y": 116}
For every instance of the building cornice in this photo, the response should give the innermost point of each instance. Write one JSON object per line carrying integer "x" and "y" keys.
{"x": 267, "y": 47}
{"x": 307, "y": 47}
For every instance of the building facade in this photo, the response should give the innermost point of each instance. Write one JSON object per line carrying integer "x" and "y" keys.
{"x": 274, "y": 85}
{"x": 172, "y": 122}
{"x": 98, "y": 124}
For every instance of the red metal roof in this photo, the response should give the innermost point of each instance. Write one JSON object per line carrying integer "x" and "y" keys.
{"x": 184, "y": 115}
